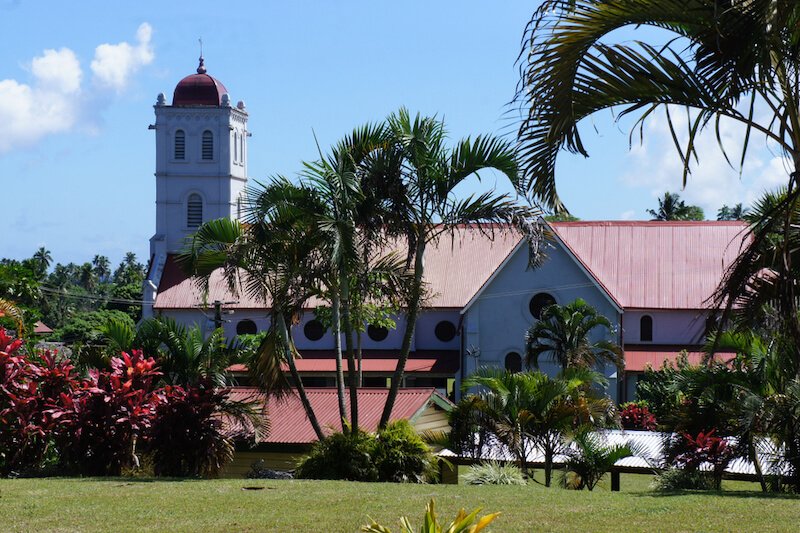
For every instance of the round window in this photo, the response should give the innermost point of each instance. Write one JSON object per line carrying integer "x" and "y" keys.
{"x": 513, "y": 362}
{"x": 377, "y": 333}
{"x": 246, "y": 327}
{"x": 445, "y": 331}
{"x": 314, "y": 330}
{"x": 539, "y": 302}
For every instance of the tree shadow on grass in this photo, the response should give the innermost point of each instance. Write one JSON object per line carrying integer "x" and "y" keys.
{"x": 749, "y": 494}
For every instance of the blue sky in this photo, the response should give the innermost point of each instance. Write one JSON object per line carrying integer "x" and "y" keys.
{"x": 78, "y": 81}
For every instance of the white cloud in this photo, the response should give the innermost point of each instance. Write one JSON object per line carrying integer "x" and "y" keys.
{"x": 712, "y": 183}
{"x": 59, "y": 71}
{"x": 627, "y": 215}
{"x": 49, "y": 105}
{"x": 113, "y": 64}
{"x": 53, "y": 100}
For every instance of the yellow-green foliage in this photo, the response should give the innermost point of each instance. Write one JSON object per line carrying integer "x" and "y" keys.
{"x": 463, "y": 523}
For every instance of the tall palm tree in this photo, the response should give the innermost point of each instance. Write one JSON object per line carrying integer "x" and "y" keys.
{"x": 563, "y": 333}
{"x": 42, "y": 260}
{"x": 102, "y": 267}
{"x": 274, "y": 257}
{"x": 671, "y": 207}
{"x": 727, "y": 60}
{"x": 423, "y": 173}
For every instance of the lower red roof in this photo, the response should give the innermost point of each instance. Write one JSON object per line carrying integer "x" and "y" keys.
{"x": 376, "y": 361}
{"x": 639, "y": 358}
{"x": 289, "y": 424}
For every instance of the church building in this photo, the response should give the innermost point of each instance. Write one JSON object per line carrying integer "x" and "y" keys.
{"x": 652, "y": 280}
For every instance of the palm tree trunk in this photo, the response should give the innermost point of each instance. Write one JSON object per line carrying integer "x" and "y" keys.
{"x": 301, "y": 389}
{"x": 411, "y": 322}
{"x": 337, "y": 339}
{"x": 360, "y": 359}
{"x": 548, "y": 466}
{"x": 751, "y": 448}
{"x": 348, "y": 340}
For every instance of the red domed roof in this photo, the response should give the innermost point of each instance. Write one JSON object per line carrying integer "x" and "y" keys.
{"x": 199, "y": 89}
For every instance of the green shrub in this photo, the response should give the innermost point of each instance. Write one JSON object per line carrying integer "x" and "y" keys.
{"x": 340, "y": 456}
{"x": 494, "y": 473}
{"x": 402, "y": 456}
{"x": 676, "y": 479}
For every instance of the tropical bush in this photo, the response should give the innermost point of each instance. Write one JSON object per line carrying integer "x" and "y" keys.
{"x": 345, "y": 456}
{"x": 187, "y": 438}
{"x": 494, "y": 473}
{"x": 103, "y": 423}
{"x": 675, "y": 479}
{"x": 637, "y": 416}
{"x": 395, "y": 454}
{"x": 589, "y": 459}
{"x": 463, "y": 523}
{"x": 402, "y": 456}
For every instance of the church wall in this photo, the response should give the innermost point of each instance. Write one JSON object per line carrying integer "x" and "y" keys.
{"x": 496, "y": 323}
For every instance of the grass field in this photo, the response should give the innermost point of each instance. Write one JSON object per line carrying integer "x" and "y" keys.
{"x": 225, "y": 505}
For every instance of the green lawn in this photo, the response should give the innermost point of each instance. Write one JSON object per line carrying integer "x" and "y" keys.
{"x": 223, "y": 505}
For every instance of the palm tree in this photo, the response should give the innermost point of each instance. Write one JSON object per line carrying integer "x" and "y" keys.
{"x": 274, "y": 257}
{"x": 527, "y": 409}
{"x": 671, "y": 207}
{"x": 421, "y": 176}
{"x": 563, "y": 333}
{"x": 761, "y": 285}
{"x": 102, "y": 267}
{"x": 42, "y": 259}
{"x": 737, "y": 212}
{"x": 727, "y": 60}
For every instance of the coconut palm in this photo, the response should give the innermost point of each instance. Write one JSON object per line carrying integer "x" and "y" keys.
{"x": 671, "y": 207}
{"x": 275, "y": 257}
{"x": 728, "y": 59}
{"x": 737, "y": 212}
{"x": 421, "y": 176}
{"x": 42, "y": 259}
{"x": 562, "y": 334}
{"x": 102, "y": 267}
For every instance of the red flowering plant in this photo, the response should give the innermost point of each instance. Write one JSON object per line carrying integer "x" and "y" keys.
{"x": 708, "y": 448}
{"x": 637, "y": 416}
{"x": 111, "y": 415}
{"x": 31, "y": 391}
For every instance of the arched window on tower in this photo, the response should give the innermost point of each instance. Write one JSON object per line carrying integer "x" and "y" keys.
{"x": 208, "y": 146}
{"x": 235, "y": 147}
{"x": 646, "y": 328}
{"x": 180, "y": 145}
{"x": 194, "y": 211}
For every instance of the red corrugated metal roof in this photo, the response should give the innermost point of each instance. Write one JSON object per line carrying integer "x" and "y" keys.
{"x": 642, "y": 265}
{"x": 289, "y": 424}
{"x": 638, "y": 358}
{"x": 455, "y": 268}
{"x": 384, "y": 361}
{"x": 655, "y": 265}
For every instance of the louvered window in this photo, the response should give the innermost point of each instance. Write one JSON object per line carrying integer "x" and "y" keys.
{"x": 235, "y": 147}
{"x": 180, "y": 145}
{"x": 194, "y": 211}
{"x": 208, "y": 146}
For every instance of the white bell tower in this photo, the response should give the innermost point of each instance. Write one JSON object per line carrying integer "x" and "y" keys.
{"x": 201, "y": 166}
